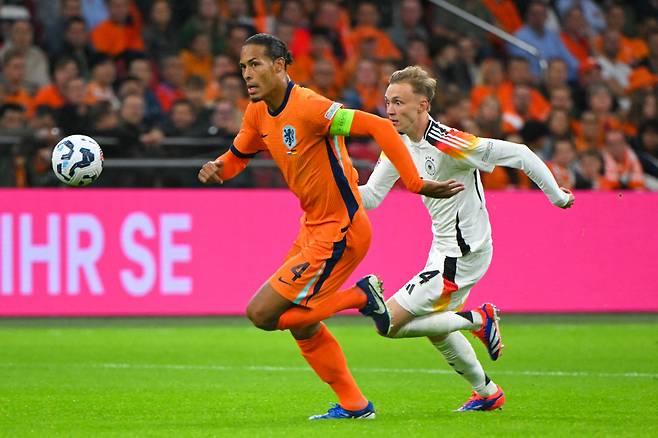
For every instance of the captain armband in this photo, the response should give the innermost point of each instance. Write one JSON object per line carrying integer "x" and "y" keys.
{"x": 342, "y": 122}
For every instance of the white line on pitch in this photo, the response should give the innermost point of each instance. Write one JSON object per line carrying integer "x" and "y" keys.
{"x": 265, "y": 368}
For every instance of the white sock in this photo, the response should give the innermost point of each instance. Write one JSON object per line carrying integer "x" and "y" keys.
{"x": 436, "y": 324}
{"x": 459, "y": 353}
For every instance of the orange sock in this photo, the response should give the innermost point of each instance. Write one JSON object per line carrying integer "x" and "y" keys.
{"x": 296, "y": 317}
{"x": 326, "y": 357}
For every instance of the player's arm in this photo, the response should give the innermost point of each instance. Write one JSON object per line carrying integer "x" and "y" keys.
{"x": 224, "y": 167}
{"x": 245, "y": 146}
{"x": 519, "y": 156}
{"x": 381, "y": 182}
{"x": 353, "y": 122}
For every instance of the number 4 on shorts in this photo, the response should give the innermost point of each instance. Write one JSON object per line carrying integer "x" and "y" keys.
{"x": 298, "y": 270}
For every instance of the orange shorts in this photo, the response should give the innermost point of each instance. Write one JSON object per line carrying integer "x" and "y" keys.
{"x": 315, "y": 269}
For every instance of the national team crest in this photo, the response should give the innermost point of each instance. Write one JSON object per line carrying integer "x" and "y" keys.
{"x": 289, "y": 136}
{"x": 430, "y": 166}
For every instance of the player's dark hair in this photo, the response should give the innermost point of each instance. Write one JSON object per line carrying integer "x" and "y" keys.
{"x": 275, "y": 48}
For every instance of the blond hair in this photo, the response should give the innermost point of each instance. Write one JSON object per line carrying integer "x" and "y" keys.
{"x": 421, "y": 82}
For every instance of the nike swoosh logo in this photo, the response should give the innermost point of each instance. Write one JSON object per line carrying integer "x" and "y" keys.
{"x": 283, "y": 281}
{"x": 264, "y": 135}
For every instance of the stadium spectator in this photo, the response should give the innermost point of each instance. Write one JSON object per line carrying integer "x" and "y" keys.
{"x": 301, "y": 68}
{"x": 614, "y": 72}
{"x": 73, "y": 116}
{"x": 323, "y": 79}
{"x": 233, "y": 89}
{"x": 193, "y": 92}
{"x": 12, "y": 119}
{"x": 450, "y": 28}
{"x": 587, "y": 133}
{"x": 366, "y": 92}
{"x": 452, "y": 67}
{"x": 621, "y": 165}
{"x": 64, "y": 69}
{"x": 170, "y": 86}
{"x": 647, "y": 150}
{"x": 417, "y": 52}
{"x": 160, "y": 35}
{"x": 489, "y": 118}
{"x": 505, "y": 13}
{"x": 205, "y": 20}
{"x": 132, "y": 132}
{"x": 333, "y": 18}
{"x": 225, "y": 120}
{"x": 141, "y": 68}
{"x": 76, "y": 45}
{"x": 38, "y": 146}
{"x": 292, "y": 14}
{"x": 407, "y": 23}
{"x": 367, "y": 39}
{"x": 575, "y": 34}
{"x": 560, "y": 99}
{"x": 103, "y": 75}
{"x": 55, "y": 26}
{"x": 235, "y": 36}
{"x": 651, "y": 60}
{"x": 222, "y": 64}
{"x": 21, "y": 38}
{"x": 549, "y": 44}
{"x": 590, "y": 172}
{"x": 631, "y": 50}
{"x": 593, "y": 19}
{"x": 559, "y": 128}
{"x": 13, "y": 80}
{"x": 556, "y": 75}
{"x": 197, "y": 58}
{"x": 563, "y": 163}
{"x": 103, "y": 120}
{"x": 121, "y": 33}
{"x": 181, "y": 121}
{"x": 94, "y": 12}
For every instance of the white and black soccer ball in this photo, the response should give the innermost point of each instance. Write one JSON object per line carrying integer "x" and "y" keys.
{"x": 77, "y": 160}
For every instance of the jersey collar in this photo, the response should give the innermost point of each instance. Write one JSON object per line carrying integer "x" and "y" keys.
{"x": 285, "y": 101}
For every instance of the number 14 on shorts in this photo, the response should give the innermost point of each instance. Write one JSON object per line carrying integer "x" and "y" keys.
{"x": 424, "y": 277}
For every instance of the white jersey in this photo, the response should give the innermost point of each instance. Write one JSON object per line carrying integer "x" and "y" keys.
{"x": 460, "y": 224}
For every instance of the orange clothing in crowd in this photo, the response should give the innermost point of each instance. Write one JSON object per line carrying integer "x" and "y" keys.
{"x": 48, "y": 96}
{"x": 609, "y": 123}
{"x": 502, "y": 178}
{"x": 113, "y": 39}
{"x": 565, "y": 177}
{"x": 578, "y": 47}
{"x": 631, "y": 50}
{"x": 371, "y": 98}
{"x": 506, "y": 14}
{"x": 629, "y": 171}
{"x": 213, "y": 92}
{"x": 384, "y": 47}
{"x": 332, "y": 93}
{"x": 95, "y": 93}
{"x": 20, "y": 97}
{"x": 194, "y": 65}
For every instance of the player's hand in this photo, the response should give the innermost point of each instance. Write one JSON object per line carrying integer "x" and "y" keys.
{"x": 441, "y": 189}
{"x": 572, "y": 198}
{"x": 211, "y": 172}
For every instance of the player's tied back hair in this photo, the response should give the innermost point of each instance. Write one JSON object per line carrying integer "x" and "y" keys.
{"x": 275, "y": 47}
{"x": 421, "y": 82}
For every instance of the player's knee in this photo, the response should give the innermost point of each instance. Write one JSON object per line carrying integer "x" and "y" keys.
{"x": 261, "y": 319}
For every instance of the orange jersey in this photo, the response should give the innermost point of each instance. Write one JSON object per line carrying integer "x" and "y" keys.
{"x": 314, "y": 164}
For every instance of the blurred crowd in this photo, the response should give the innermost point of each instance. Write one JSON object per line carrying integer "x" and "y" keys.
{"x": 155, "y": 76}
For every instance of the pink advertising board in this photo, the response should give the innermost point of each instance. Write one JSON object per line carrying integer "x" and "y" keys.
{"x": 91, "y": 252}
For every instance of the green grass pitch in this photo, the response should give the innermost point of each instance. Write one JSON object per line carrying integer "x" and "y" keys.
{"x": 563, "y": 376}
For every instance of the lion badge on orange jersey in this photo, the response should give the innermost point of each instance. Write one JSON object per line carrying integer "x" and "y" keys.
{"x": 290, "y": 138}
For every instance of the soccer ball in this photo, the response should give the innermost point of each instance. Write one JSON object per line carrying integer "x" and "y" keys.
{"x": 77, "y": 160}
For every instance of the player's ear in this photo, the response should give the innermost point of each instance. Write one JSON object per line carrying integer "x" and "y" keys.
{"x": 279, "y": 64}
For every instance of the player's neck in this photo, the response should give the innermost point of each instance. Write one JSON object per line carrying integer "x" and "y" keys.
{"x": 275, "y": 99}
{"x": 417, "y": 132}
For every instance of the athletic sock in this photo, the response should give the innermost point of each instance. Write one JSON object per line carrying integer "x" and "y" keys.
{"x": 460, "y": 355}
{"x": 297, "y": 317}
{"x": 325, "y": 356}
{"x": 436, "y": 324}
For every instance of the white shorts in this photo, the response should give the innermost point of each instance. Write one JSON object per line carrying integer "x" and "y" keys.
{"x": 445, "y": 282}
